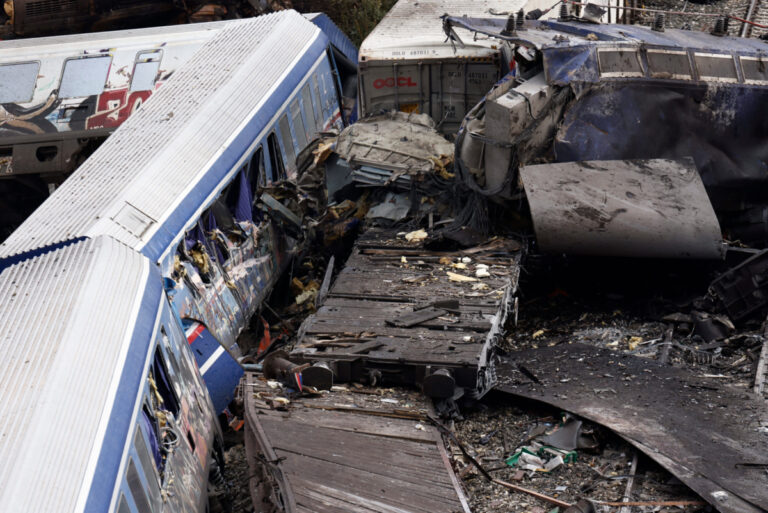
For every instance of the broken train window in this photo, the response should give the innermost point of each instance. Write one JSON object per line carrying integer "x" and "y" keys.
{"x": 195, "y": 251}
{"x": 275, "y": 157}
{"x": 216, "y": 241}
{"x": 238, "y": 197}
{"x": 257, "y": 172}
{"x": 161, "y": 410}
{"x": 287, "y": 140}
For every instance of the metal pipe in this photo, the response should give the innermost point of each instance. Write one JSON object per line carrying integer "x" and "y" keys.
{"x": 750, "y": 12}
{"x": 397, "y": 89}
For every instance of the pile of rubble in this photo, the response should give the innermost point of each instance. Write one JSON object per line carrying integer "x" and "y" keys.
{"x": 591, "y": 386}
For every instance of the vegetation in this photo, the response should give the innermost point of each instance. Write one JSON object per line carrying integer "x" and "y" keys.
{"x": 355, "y": 17}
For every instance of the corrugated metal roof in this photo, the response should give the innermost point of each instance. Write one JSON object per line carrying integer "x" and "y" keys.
{"x": 65, "y": 326}
{"x": 132, "y": 186}
{"x": 417, "y": 26}
{"x": 106, "y": 40}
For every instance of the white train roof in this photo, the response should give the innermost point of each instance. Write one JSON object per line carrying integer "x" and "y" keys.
{"x": 106, "y": 40}
{"x": 168, "y": 161}
{"x": 413, "y": 30}
{"x": 69, "y": 338}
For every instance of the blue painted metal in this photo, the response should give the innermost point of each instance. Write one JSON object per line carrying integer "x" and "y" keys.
{"x": 132, "y": 378}
{"x": 338, "y": 38}
{"x": 220, "y": 371}
{"x": 217, "y": 176}
{"x": 570, "y": 49}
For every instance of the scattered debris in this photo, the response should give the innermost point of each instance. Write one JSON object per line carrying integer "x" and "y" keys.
{"x": 677, "y": 432}
{"x": 382, "y": 324}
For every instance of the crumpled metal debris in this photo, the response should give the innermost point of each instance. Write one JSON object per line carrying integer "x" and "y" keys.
{"x": 403, "y": 144}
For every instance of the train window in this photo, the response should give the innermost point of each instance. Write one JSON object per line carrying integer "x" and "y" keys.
{"x": 298, "y": 124}
{"x": 619, "y": 62}
{"x": 285, "y": 135}
{"x": 123, "y": 507}
{"x": 716, "y": 67}
{"x": 84, "y": 77}
{"x": 145, "y": 70}
{"x": 146, "y": 463}
{"x": 239, "y": 201}
{"x": 17, "y": 81}
{"x": 137, "y": 490}
{"x": 275, "y": 159}
{"x": 670, "y": 64}
{"x": 257, "y": 173}
{"x": 150, "y": 424}
{"x": 175, "y": 368}
{"x": 309, "y": 111}
{"x": 317, "y": 105}
{"x": 163, "y": 380}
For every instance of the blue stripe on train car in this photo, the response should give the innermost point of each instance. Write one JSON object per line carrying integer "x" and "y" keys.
{"x": 131, "y": 380}
{"x": 221, "y": 373}
{"x": 186, "y": 210}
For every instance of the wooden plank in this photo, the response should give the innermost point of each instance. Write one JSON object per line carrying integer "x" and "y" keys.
{"x": 387, "y": 427}
{"x": 353, "y": 460}
{"x": 402, "y": 493}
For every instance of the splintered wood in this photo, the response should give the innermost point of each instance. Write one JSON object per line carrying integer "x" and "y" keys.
{"x": 348, "y": 450}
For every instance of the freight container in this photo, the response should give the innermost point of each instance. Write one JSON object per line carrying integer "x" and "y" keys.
{"x": 407, "y": 63}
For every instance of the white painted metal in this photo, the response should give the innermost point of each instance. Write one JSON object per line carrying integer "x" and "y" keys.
{"x": 135, "y": 180}
{"x": 413, "y": 30}
{"x": 64, "y": 332}
{"x": 178, "y": 43}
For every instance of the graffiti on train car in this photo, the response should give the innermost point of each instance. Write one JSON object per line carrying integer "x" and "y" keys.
{"x": 114, "y": 106}
{"x": 104, "y": 111}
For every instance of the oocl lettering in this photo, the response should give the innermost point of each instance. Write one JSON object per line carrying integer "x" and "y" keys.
{"x": 380, "y": 83}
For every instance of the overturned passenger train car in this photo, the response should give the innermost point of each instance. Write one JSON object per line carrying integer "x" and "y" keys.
{"x": 164, "y": 213}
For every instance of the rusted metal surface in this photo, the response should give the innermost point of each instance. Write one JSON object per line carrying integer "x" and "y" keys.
{"x": 350, "y": 450}
{"x": 359, "y": 330}
{"x": 707, "y": 434}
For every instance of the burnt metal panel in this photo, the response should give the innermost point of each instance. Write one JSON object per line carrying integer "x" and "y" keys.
{"x": 700, "y": 430}
{"x": 633, "y": 208}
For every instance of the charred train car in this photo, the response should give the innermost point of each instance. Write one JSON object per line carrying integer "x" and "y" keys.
{"x": 152, "y": 250}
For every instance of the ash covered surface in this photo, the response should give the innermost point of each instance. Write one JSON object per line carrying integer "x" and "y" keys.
{"x": 624, "y": 310}
{"x": 495, "y": 430}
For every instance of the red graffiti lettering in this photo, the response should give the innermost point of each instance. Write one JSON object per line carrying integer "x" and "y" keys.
{"x": 114, "y": 106}
{"x": 380, "y": 83}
